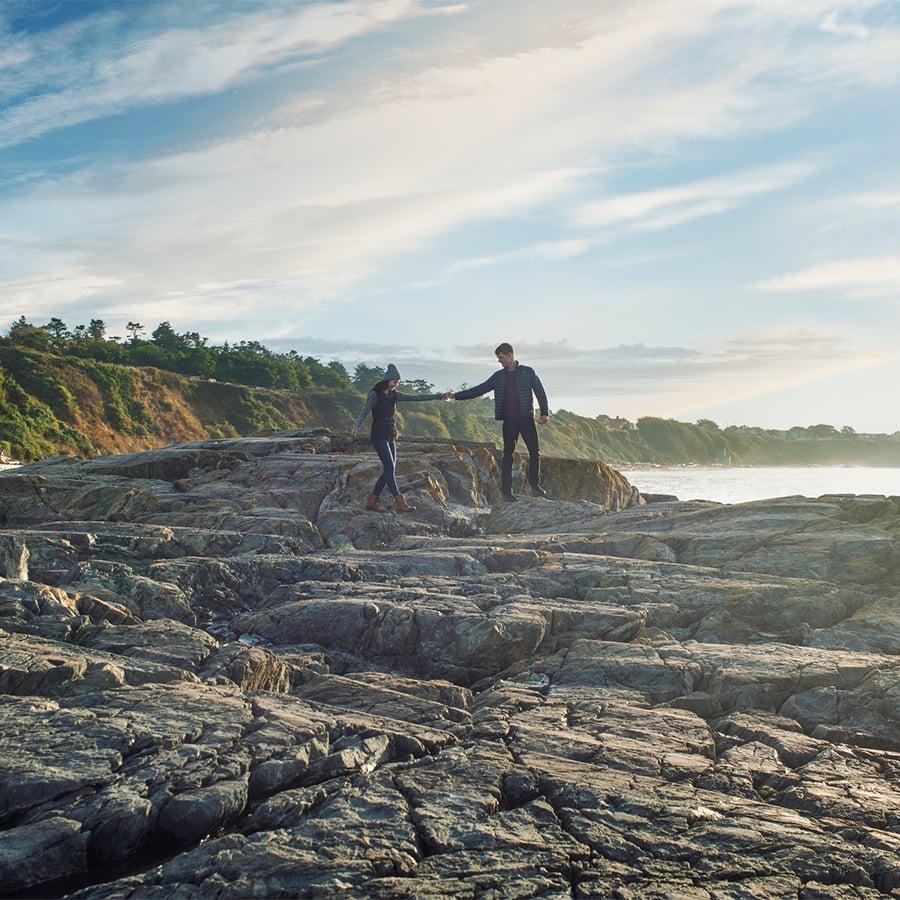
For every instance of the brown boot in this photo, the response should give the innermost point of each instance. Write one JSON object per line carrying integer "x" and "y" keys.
{"x": 372, "y": 503}
{"x": 401, "y": 505}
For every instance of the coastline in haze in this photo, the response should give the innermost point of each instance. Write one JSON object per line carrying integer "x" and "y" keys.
{"x": 742, "y": 484}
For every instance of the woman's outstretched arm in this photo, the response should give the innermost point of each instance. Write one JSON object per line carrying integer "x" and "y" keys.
{"x": 406, "y": 398}
{"x": 371, "y": 399}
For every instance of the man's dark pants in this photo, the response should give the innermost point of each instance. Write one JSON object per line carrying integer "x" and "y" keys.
{"x": 512, "y": 429}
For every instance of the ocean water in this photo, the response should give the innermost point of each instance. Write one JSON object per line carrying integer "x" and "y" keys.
{"x": 738, "y": 484}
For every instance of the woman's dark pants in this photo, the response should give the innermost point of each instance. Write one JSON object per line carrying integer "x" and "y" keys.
{"x": 387, "y": 453}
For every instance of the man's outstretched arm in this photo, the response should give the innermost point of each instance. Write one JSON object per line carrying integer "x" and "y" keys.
{"x": 477, "y": 391}
{"x": 541, "y": 395}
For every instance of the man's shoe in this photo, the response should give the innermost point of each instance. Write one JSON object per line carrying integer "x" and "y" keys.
{"x": 538, "y": 491}
{"x": 509, "y": 497}
{"x": 401, "y": 505}
{"x": 372, "y": 504}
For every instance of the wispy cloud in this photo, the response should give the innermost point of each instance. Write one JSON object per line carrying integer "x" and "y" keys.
{"x": 637, "y": 379}
{"x": 886, "y": 199}
{"x": 54, "y": 290}
{"x": 833, "y": 25}
{"x": 552, "y": 251}
{"x": 654, "y": 210}
{"x": 565, "y": 353}
{"x": 670, "y": 206}
{"x": 170, "y": 65}
{"x": 863, "y": 276}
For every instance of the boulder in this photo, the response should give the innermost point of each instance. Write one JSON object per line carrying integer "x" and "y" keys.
{"x": 41, "y": 852}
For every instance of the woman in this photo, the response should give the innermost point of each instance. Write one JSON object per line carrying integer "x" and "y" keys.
{"x": 382, "y": 400}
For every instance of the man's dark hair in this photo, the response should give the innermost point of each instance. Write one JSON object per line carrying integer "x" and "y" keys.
{"x": 504, "y": 348}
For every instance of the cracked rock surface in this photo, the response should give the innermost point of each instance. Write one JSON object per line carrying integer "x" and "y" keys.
{"x": 220, "y": 677}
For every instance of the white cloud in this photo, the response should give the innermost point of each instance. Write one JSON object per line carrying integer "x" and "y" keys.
{"x": 843, "y": 29}
{"x": 872, "y": 200}
{"x": 870, "y": 60}
{"x": 447, "y": 9}
{"x": 858, "y": 277}
{"x": 643, "y": 211}
{"x": 181, "y": 62}
{"x": 670, "y": 206}
{"x": 551, "y": 251}
{"x": 14, "y": 56}
{"x": 45, "y": 294}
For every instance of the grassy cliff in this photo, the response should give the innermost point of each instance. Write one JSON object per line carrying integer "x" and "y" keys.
{"x": 53, "y": 403}
{"x": 50, "y": 405}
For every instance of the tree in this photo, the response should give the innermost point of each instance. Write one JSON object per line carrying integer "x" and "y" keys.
{"x": 134, "y": 328}
{"x": 194, "y": 339}
{"x": 18, "y": 326}
{"x": 57, "y": 329}
{"x": 97, "y": 330}
{"x": 419, "y": 386}
{"x": 164, "y": 336}
{"x": 339, "y": 370}
{"x": 23, "y": 333}
{"x": 707, "y": 425}
{"x": 848, "y": 429}
{"x": 366, "y": 377}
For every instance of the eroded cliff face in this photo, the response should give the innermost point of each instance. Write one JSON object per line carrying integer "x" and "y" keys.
{"x": 221, "y": 677}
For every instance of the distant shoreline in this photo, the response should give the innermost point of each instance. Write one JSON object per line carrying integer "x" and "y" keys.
{"x": 633, "y": 467}
{"x": 742, "y": 484}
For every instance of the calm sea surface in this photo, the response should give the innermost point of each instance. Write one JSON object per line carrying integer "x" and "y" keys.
{"x": 737, "y": 484}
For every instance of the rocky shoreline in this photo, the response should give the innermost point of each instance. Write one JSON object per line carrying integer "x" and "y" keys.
{"x": 222, "y": 678}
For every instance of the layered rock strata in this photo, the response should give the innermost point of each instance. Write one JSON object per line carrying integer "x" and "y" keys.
{"x": 221, "y": 678}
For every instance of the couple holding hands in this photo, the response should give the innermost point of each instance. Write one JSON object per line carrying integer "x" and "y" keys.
{"x": 514, "y": 387}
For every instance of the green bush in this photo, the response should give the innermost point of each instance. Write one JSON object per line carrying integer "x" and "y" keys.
{"x": 29, "y": 429}
{"x": 416, "y": 424}
{"x": 123, "y": 406}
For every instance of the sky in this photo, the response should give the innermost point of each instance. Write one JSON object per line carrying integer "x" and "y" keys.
{"x": 680, "y": 209}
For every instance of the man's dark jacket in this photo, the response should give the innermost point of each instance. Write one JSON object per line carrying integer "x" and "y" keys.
{"x": 528, "y": 383}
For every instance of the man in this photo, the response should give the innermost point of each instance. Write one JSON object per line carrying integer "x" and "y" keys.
{"x": 513, "y": 387}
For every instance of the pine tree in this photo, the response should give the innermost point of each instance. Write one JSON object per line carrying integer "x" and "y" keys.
{"x": 97, "y": 330}
{"x": 57, "y": 329}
